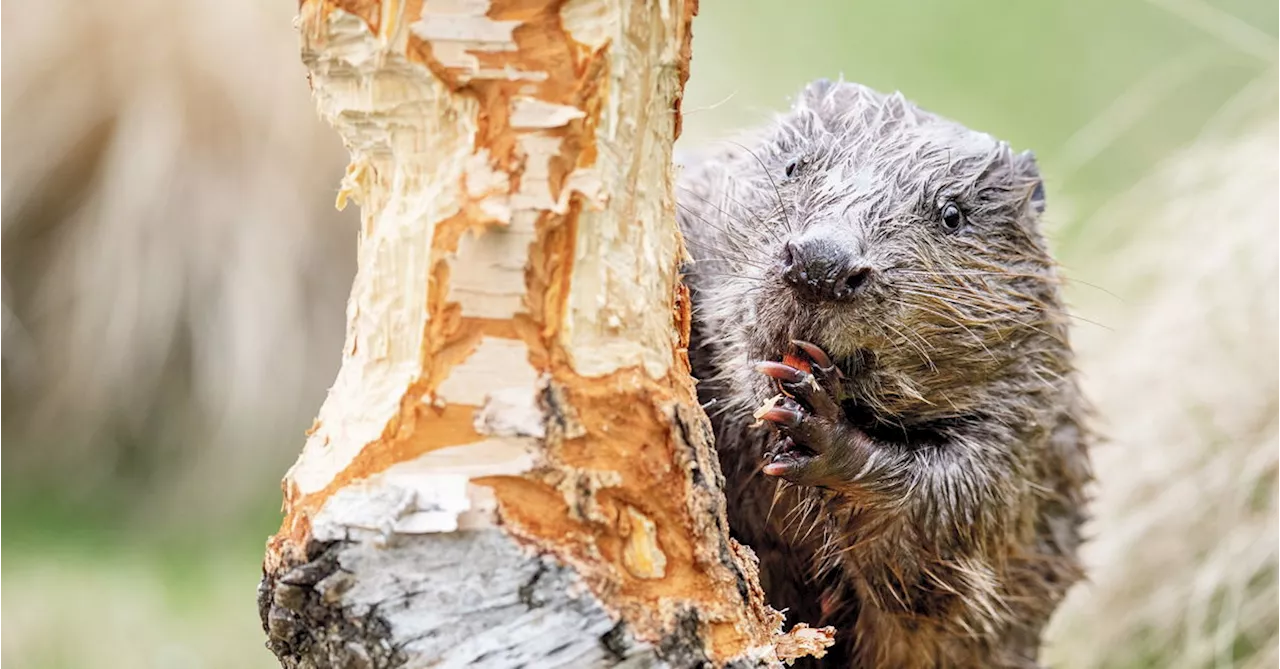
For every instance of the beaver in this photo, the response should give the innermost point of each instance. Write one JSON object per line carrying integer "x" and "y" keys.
{"x": 881, "y": 345}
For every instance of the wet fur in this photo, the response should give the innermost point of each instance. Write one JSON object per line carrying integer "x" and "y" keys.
{"x": 952, "y": 545}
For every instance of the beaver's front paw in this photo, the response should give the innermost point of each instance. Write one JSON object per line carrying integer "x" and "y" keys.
{"x": 816, "y": 446}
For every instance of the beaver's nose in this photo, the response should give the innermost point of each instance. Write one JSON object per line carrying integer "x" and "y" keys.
{"x": 820, "y": 269}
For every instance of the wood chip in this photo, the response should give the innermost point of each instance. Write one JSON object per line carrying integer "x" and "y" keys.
{"x": 768, "y": 404}
{"x": 803, "y": 641}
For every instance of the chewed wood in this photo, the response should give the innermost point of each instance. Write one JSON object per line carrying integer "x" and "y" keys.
{"x": 515, "y": 374}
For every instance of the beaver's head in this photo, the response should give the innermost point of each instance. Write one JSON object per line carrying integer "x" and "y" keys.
{"x": 905, "y": 245}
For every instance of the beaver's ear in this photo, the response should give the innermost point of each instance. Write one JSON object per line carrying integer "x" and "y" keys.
{"x": 815, "y": 94}
{"x": 1029, "y": 173}
{"x": 830, "y": 101}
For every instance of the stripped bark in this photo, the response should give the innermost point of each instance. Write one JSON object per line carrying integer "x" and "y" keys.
{"x": 511, "y": 467}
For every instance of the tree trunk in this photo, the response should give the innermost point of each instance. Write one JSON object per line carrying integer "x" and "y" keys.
{"x": 511, "y": 467}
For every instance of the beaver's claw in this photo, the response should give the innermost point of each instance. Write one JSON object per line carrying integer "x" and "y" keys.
{"x": 816, "y": 388}
{"x": 807, "y": 432}
{"x": 812, "y": 451}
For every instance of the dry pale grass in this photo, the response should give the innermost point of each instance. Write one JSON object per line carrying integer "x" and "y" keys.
{"x": 174, "y": 270}
{"x": 1183, "y": 563}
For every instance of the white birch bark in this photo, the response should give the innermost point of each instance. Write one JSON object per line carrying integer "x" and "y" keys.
{"x": 511, "y": 468}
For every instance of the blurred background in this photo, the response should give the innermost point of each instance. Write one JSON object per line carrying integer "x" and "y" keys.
{"x": 175, "y": 276}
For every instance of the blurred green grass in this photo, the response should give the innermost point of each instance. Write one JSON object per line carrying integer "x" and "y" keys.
{"x": 1102, "y": 91}
{"x": 102, "y": 586}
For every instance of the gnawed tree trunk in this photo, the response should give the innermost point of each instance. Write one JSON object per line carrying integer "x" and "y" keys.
{"x": 511, "y": 467}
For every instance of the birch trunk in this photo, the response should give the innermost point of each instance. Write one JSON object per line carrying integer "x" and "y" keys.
{"x": 511, "y": 468}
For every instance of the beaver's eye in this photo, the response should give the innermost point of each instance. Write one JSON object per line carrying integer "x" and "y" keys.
{"x": 952, "y": 219}
{"x": 791, "y": 168}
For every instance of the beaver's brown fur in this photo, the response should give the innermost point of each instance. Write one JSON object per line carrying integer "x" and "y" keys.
{"x": 924, "y": 492}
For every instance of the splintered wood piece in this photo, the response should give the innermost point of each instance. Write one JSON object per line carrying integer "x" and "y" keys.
{"x": 804, "y": 641}
{"x": 770, "y": 403}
